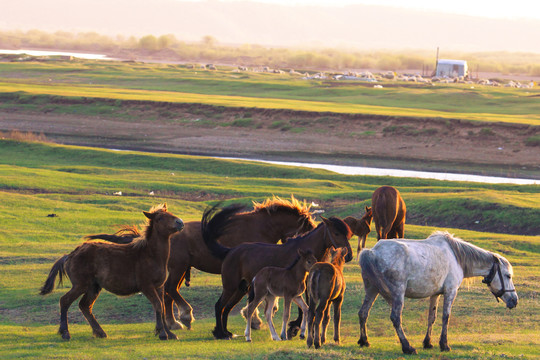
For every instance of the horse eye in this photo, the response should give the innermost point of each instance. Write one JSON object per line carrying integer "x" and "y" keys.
{"x": 508, "y": 276}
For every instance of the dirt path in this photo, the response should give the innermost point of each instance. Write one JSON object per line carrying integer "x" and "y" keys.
{"x": 437, "y": 145}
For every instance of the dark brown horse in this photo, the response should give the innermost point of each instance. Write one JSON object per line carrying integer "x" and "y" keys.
{"x": 388, "y": 212}
{"x": 273, "y": 220}
{"x": 123, "y": 269}
{"x": 241, "y": 263}
{"x": 360, "y": 227}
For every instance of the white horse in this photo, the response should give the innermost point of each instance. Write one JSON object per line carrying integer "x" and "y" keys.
{"x": 428, "y": 268}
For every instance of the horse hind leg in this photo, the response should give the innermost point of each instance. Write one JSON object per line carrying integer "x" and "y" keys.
{"x": 86, "y": 304}
{"x": 363, "y": 313}
{"x": 337, "y": 318}
{"x": 172, "y": 296}
{"x": 65, "y": 302}
{"x": 395, "y": 316}
{"x": 433, "y": 302}
{"x": 256, "y": 321}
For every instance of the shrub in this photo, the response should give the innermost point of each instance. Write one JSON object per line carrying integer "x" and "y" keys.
{"x": 533, "y": 140}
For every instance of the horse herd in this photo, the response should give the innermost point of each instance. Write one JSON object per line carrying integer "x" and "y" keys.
{"x": 277, "y": 250}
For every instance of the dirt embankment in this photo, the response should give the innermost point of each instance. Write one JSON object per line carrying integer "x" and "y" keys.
{"x": 379, "y": 141}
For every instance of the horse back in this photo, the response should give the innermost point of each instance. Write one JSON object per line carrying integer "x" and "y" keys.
{"x": 118, "y": 268}
{"x": 325, "y": 281}
{"x": 244, "y": 261}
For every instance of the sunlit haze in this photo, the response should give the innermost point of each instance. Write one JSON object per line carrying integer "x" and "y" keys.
{"x": 484, "y": 8}
{"x": 476, "y": 25}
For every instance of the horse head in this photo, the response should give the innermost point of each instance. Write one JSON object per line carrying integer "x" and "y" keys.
{"x": 499, "y": 281}
{"x": 338, "y": 234}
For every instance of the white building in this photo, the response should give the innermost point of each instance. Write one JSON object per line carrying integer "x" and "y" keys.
{"x": 451, "y": 68}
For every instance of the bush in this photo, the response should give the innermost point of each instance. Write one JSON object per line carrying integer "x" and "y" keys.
{"x": 533, "y": 140}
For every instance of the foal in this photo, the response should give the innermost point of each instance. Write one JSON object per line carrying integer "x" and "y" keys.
{"x": 123, "y": 269}
{"x": 272, "y": 282}
{"x": 326, "y": 287}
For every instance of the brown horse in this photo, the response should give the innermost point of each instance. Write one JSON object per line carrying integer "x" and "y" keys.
{"x": 388, "y": 212}
{"x": 273, "y": 220}
{"x": 241, "y": 263}
{"x": 326, "y": 287}
{"x": 289, "y": 283}
{"x": 123, "y": 269}
{"x": 360, "y": 227}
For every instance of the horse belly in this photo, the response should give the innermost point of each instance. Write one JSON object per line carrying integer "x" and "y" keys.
{"x": 422, "y": 288}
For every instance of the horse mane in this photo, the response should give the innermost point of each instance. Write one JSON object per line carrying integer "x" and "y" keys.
{"x": 140, "y": 237}
{"x": 338, "y": 224}
{"x": 276, "y": 204}
{"x": 341, "y": 226}
{"x": 466, "y": 253}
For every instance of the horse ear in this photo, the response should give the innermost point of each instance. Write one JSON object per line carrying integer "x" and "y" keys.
{"x": 149, "y": 214}
{"x": 344, "y": 251}
{"x": 325, "y": 220}
{"x": 165, "y": 206}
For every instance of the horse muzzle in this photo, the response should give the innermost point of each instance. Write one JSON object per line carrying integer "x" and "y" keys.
{"x": 179, "y": 225}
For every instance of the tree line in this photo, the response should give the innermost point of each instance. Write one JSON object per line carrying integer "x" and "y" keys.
{"x": 208, "y": 49}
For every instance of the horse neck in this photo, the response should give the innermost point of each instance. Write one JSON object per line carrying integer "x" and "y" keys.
{"x": 276, "y": 225}
{"x": 158, "y": 245}
{"x": 473, "y": 260}
{"x": 314, "y": 240}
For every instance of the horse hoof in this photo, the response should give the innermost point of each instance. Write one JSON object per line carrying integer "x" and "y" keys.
{"x": 428, "y": 346}
{"x": 186, "y": 321}
{"x": 172, "y": 337}
{"x": 445, "y": 348}
{"x": 410, "y": 351}
{"x": 363, "y": 342}
{"x": 66, "y": 336}
{"x": 302, "y": 337}
{"x": 100, "y": 335}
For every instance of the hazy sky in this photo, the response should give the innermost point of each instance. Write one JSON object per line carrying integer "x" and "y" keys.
{"x": 488, "y": 8}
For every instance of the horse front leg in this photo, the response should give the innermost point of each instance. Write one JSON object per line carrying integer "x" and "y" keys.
{"x": 433, "y": 302}
{"x": 395, "y": 316}
{"x": 155, "y": 296}
{"x": 269, "y": 312}
{"x": 363, "y": 313}
{"x": 447, "y": 309}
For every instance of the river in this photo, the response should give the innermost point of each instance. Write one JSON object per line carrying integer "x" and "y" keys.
{"x": 359, "y": 170}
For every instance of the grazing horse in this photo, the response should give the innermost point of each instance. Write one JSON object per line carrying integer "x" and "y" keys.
{"x": 326, "y": 286}
{"x": 289, "y": 283}
{"x": 360, "y": 227}
{"x": 241, "y": 263}
{"x": 428, "y": 268}
{"x": 123, "y": 269}
{"x": 388, "y": 212}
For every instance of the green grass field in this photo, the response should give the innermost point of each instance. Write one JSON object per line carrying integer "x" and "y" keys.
{"x": 177, "y": 84}
{"x": 77, "y": 184}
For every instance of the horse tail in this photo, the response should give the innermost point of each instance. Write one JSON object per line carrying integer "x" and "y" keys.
{"x": 251, "y": 295}
{"x": 214, "y": 223}
{"x": 371, "y": 272}
{"x": 118, "y": 239}
{"x": 57, "y": 269}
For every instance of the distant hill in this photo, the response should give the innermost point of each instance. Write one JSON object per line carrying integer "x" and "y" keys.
{"x": 353, "y": 26}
